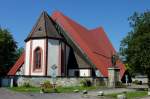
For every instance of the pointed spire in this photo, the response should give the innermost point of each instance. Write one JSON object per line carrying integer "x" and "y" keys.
{"x": 44, "y": 27}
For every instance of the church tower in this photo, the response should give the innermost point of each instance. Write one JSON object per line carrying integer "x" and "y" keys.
{"x": 42, "y": 49}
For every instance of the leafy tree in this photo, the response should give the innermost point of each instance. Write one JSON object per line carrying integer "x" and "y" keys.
{"x": 19, "y": 52}
{"x": 8, "y": 47}
{"x": 135, "y": 47}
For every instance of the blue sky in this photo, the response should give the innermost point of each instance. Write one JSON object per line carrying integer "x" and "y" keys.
{"x": 19, "y": 16}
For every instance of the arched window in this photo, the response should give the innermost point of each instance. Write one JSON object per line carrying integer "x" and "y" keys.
{"x": 37, "y": 58}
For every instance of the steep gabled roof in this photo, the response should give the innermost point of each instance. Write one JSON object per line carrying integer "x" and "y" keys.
{"x": 43, "y": 28}
{"x": 103, "y": 42}
{"x": 17, "y": 65}
{"x": 92, "y": 42}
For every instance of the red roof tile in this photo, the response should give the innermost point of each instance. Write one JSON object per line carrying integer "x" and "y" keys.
{"x": 17, "y": 65}
{"x": 94, "y": 43}
{"x": 104, "y": 42}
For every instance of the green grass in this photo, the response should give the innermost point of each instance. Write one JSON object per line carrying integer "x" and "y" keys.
{"x": 130, "y": 95}
{"x": 71, "y": 89}
{"x": 25, "y": 89}
{"x": 58, "y": 89}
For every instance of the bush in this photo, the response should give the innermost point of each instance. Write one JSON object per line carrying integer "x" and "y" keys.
{"x": 26, "y": 84}
{"x": 119, "y": 84}
{"x": 137, "y": 82}
{"x": 101, "y": 83}
{"x": 86, "y": 83}
{"x": 46, "y": 86}
{"x": 140, "y": 83}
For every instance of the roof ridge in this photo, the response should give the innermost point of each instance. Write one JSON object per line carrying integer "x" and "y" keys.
{"x": 43, "y": 28}
{"x": 45, "y": 14}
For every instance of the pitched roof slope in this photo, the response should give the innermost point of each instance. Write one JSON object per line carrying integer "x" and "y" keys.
{"x": 17, "y": 65}
{"x": 100, "y": 36}
{"x": 43, "y": 28}
{"x": 76, "y": 32}
{"x": 94, "y": 43}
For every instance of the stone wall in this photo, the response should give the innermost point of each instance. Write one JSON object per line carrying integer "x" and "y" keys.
{"x": 60, "y": 81}
{"x": 143, "y": 79}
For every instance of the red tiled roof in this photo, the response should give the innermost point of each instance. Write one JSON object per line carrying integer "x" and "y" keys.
{"x": 17, "y": 65}
{"x": 94, "y": 43}
{"x": 103, "y": 42}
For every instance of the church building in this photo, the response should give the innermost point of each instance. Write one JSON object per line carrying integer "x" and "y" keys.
{"x": 74, "y": 50}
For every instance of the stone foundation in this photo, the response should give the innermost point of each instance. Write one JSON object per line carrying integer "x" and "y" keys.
{"x": 60, "y": 81}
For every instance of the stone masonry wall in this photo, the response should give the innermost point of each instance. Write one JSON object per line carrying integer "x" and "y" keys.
{"x": 61, "y": 81}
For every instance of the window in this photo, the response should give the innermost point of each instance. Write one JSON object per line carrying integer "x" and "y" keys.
{"x": 37, "y": 58}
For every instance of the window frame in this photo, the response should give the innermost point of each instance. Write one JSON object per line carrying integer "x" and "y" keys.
{"x": 39, "y": 69}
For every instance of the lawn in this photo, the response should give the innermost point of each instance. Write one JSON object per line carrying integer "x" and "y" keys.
{"x": 58, "y": 89}
{"x": 25, "y": 89}
{"x": 131, "y": 95}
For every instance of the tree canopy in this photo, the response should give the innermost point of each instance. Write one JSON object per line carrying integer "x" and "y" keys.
{"x": 8, "y": 49}
{"x": 135, "y": 47}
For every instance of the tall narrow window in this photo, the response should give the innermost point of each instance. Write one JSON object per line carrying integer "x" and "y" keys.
{"x": 37, "y": 58}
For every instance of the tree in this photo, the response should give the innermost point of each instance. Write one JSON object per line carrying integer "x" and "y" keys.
{"x": 8, "y": 47}
{"x": 19, "y": 52}
{"x": 135, "y": 47}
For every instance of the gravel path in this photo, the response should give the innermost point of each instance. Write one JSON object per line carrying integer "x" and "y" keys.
{"x": 146, "y": 97}
{"x": 61, "y": 96}
{"x": 110, "y": 91}
{"x": 7, "y": 94}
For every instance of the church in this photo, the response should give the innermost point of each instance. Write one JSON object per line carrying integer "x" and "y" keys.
{"x": 74, "y": 50}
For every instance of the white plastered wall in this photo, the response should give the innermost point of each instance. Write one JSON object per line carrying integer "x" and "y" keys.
{"x": 21, "y": 70}
{"x": 38, "y": 43}
{"x": 27, "y": 57}
{"x": 82, "y": 72}
{"x": 32, "y": 45}
{"x": 85, "y": 72}
{"x": 53, "y": 56}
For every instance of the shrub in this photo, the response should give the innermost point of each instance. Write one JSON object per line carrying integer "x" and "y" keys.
{"x": 26, "y": 84}
{"x": 46, "y": 86}
{"x": 119, "y": 84}
{"x": 101, "y": 83}
{"x": 86, "y": 82}
{"x": 137, "y": 82}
